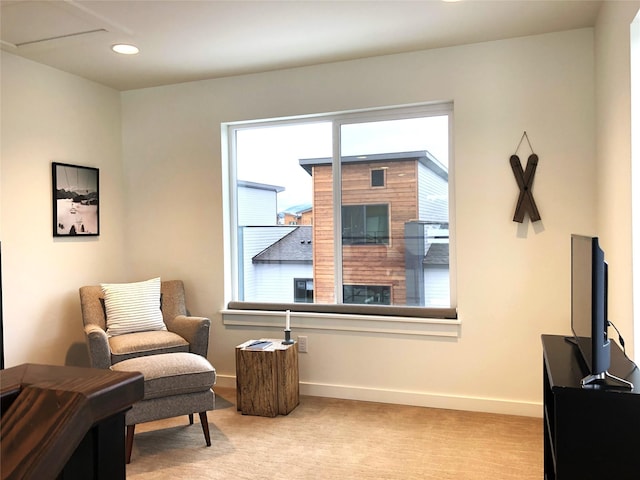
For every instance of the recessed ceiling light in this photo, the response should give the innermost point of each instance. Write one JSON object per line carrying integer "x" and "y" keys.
{"x": 125, "y": 49}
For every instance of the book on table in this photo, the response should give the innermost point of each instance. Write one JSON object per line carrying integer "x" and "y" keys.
{"x": 258, "y": 345}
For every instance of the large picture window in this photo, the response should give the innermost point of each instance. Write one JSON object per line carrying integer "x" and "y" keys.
{"x": 350, "y": 209}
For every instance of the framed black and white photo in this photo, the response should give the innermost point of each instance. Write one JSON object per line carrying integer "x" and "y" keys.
{"x": 76, "y": 199}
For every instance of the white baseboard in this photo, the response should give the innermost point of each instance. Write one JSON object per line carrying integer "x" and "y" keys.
{"x": 419, "y": 399}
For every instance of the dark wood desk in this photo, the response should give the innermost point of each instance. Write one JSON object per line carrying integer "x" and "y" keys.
{"x": 589, "y": 433}
{"x": 65, "y": 422}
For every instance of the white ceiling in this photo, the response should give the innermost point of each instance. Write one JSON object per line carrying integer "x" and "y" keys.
{"x": 185, "y": 40}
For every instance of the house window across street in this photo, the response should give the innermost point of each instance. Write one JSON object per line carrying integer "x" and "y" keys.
{"x": 367, "y": 294}
{"x": 365, "y": 224}
{"x": 377, "y": 177}
{"x": 303, "y": 290}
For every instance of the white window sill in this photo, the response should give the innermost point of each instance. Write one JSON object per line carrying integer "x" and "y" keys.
{"x": 435, "y": 327}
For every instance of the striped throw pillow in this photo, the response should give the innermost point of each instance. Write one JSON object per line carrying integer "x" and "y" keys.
{"x": 133, "y": 307}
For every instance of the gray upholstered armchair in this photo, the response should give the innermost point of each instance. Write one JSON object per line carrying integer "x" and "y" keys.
{"x": 184, "y": 333}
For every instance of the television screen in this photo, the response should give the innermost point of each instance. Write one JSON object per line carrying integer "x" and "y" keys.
{"x": 589, "y": 303}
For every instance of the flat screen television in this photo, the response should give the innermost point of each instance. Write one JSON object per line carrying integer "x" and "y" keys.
{"x": 589, "y": 322}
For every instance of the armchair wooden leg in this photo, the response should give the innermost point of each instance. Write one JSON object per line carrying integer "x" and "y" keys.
{"x": 129, "y": 443}
{"x": 205, "y": 427}
{"x": 191, "y": 419}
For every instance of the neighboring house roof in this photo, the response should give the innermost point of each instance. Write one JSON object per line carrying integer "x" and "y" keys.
{"x": 298, "y": 209}
{"x": 422, "y": 156}
{"x": 260, "y": 186}
{"x": 295, "y": 247}
{"x": 438, "y": 254}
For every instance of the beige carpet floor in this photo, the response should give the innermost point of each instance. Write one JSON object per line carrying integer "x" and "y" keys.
{"x": 326, "y": 438}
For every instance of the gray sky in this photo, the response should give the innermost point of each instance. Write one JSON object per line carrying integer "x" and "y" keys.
{"x": 270, "y": 154}
{"x": 72, "y": 179}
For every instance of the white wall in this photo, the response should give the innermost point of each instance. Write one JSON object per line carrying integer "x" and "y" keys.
{"x": 635, "y": 170}
{"x": 50, "y": 116}
{"x": 613, "y": 147}
{"x": 512, "y": 280}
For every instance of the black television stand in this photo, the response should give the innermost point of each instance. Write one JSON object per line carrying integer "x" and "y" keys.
{"x": 591, "y": 432}
{"x": 605, "y": 380}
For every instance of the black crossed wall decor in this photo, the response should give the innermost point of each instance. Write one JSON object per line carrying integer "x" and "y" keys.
{"x": 526, "y": 203}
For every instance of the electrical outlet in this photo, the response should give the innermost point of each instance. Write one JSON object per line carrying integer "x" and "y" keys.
{"x": 302, "y": 343}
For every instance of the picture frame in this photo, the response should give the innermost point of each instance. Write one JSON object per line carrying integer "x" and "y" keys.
{"x": 76, "y": 200}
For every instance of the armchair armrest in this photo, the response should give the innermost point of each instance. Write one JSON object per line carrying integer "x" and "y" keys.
{"x": 194, "y": 330}
{"x": 98, "y": 342}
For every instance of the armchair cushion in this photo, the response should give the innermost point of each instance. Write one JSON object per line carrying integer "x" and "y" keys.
{"x": 133, "y": 307}
{"x": 140, "y": 344}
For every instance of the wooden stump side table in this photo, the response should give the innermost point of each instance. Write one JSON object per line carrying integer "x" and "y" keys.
{"x": 267, "y": 380}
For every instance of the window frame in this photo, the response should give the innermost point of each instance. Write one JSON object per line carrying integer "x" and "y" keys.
{"x": 447, "y": 314}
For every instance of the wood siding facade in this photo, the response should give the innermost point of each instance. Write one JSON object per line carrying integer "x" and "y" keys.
{"x": 369, "y": 264}
{"x": 323, "y": 251}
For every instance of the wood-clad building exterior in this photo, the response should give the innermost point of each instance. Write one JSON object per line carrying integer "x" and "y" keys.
{"x": 388, "y": 184}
